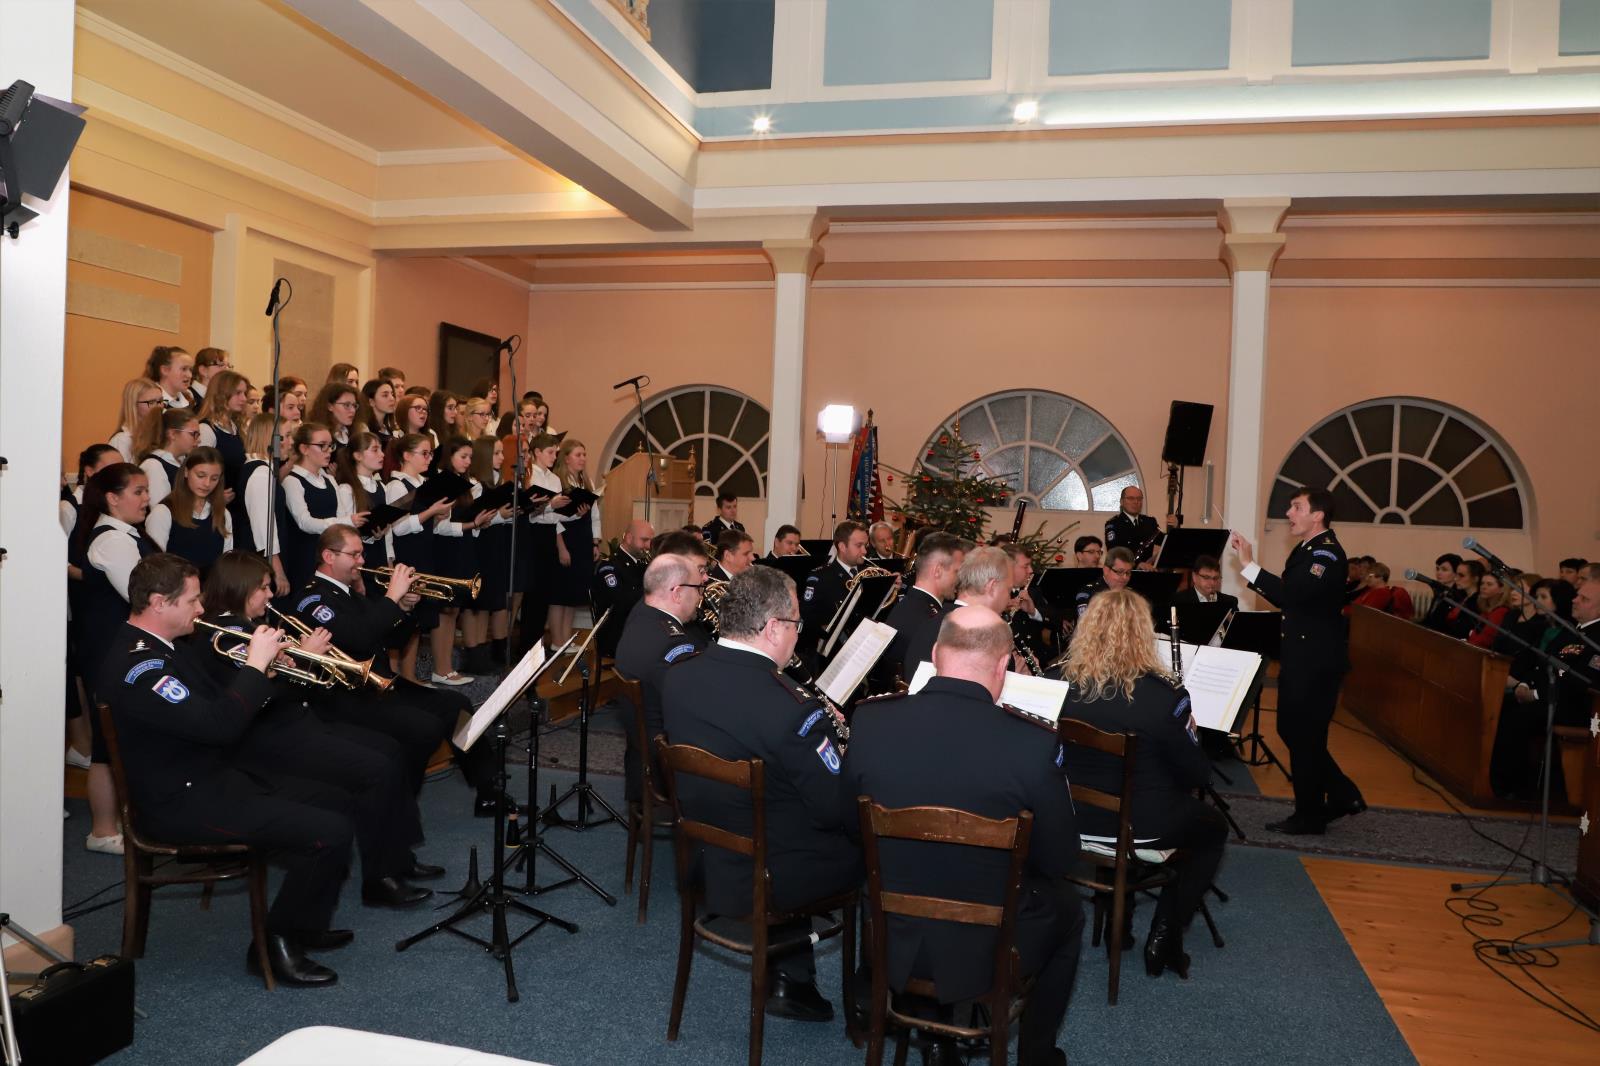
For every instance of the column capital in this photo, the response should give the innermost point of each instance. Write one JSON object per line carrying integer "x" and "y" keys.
{"x": 1250, "y": 237}
{"x": 1252, "y": 251}
{"x": 793, "y": 256}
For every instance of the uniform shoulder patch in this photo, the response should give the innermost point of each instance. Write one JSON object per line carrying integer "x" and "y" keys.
{"x": 1318, "y": 569}
{"x": 812, "y": 719}
{"x": 677, "y": 652}
{"x": 610, "y": 579}
{"x": 1323, "y": 553}
{"x": 308, "y": 601}
{"x": 322, "y": 613}
{"x": 829, "y": 755}
{"x": 170, "y": 689}
{"x": 141, "y": 668}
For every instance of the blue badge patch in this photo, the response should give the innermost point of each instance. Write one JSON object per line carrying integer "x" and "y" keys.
{"x": 1325, "y": 554}
{"x": 1061, "y": 755}
{"x": 323, "y": 613}
{"x": 811, "y": 592}
{"x": 816, "y": 716}
{"x": 308, "y": 601}
{"x": 144, "y": 667}
{"x": 829, "y": 757}
{"x": 611, "y": 580}
{"x": 171, "y": 689}
{"x": 1182, "y": 708}
{"x": 674, "y": 654}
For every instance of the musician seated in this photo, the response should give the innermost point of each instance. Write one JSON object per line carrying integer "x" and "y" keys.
{"x": 984, "y": 580}
{"x": 1120, "y": 686}
{"x": 951, "y": 746}
{"x": 1087, "y": 552}
{"x": 785, "y": 542}
{"x": 933, "y": 575}
{"x": 826, "y": 588}
{"x": 1114, "y": 574}
{"x": 176, "y": 729}
{"x": 287, "y": 737}
{"x": 1377, "y": 593}
{"x": 619, "y": 582}
{"x": 363, "y": 626}
{"x": 735, "y": 701}
{"x": 880, "y": 542}
{"x": 655, "y": 636}
{"x": 736, "y": 552}
{"x": 1028, "y": 623}
{"x": 1205, "y": 585}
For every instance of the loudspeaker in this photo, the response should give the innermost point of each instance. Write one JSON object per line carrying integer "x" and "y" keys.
{"x": 1188, "y": 426}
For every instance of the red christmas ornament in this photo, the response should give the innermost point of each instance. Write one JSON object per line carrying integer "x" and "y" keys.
{"x": 974, "y": 456}
{"x": 944, "y": 440}
{"x": 930, "y": 453}
{"x": 1060, "y": 558}
{"x": 891, "y": 479}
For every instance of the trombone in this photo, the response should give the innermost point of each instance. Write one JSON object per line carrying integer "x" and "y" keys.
{"x": 377, "y": 681}
{"x": 329, "y": 670}
{"x": 431, "y": 586}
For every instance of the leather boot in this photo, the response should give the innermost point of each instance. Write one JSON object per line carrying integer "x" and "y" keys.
{"x": 1164, "y": 949}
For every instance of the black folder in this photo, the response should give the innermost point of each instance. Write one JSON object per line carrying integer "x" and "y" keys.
{"x": 1186, "y": 544}
{"x": 796, "y": 566}
{"x": 441, "y": 486}
{"x": 1059, "y": 585}
{"x": 579, "y": 497}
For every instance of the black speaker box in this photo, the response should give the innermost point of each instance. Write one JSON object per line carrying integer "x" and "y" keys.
{"x": 1188, "y": 426}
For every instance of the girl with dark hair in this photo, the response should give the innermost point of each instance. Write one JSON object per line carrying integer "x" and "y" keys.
{"x": 378, "y": 403}
{"x": 92, "y": 460}
{"x": 310, "y": 502}
{"x": 335, "y": 407}
{"x": 491, "y": 616}
{"x": 208, "y": 363}
{"x": 192, "y": 521}
{"x": 539, "y": 575}
{"x": 165, "y": 437}
{"x": 444, "y": 408}
{"x": 171, "y": 368}
{"x": 344, "y": 374}
{"x": 360, "y": 476}
{"x": 456, "y": 555}
{"x": 574, "y": 545}
{"x": 252, "y": 509}
{"x": 486, "y": 389}
{"x": 413, "y": 536}
{"x": 222, "y": 421}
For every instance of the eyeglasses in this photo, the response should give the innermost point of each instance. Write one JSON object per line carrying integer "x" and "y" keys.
{"x": 321, "y": 445}
{"x": 797, "y": 623}
{"x": 346, "y": 403}
{"x": 691, "y": 585}
{"x": 148, "y": 403}
{"x": 1121, "y": 573}
{"x": 425, "y": 455}
{"x": 357, "y": 554}
{"x": 195, "y": 433}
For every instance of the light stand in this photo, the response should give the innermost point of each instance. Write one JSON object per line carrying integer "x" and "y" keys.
{"x": 586, "y": 793}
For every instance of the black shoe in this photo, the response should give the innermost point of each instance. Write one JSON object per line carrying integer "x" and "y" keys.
{"x": 392, "y": 892}
{"x": 802, "y": 1002}
{"x": 487, "y": 805}
{"x": 1344, "y": 808}
{"x": 422, "y": 871}
{"x": 942, "y": 1052}
{"x": 1296, "y": 826}
{"x": 289, "y": 964}
{"x": 322, "y": 939}
{"x": 1163, "y": 950}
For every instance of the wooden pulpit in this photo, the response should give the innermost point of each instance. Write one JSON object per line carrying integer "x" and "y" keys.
{"x": 671, "y": 499}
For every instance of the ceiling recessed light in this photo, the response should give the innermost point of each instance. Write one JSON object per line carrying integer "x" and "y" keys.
{"x": 1026, "y": 111}
{"x": 761, "y": 123}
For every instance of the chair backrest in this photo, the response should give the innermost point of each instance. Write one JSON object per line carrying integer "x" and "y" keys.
{"x": 1123, "y": 746}
{"x": 119, "y": 775}
{"x": 634, "y": 692}
{"x": 945, "y": 825}
{"x": 748, "y": 774}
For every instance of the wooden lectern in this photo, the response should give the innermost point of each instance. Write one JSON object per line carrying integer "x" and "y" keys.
{"x": 671, "y": 503}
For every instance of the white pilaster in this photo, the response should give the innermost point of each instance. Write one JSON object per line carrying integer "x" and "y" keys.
{"x": 33, "y": 607}
{"x": 792, "y": 264}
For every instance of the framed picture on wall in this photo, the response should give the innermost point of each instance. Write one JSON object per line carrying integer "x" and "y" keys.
{"x": 466, "y": 357}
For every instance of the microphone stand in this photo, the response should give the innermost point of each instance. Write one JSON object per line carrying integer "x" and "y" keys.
{"x": 1508, "y": 575}
{"x": 586, "y": 793}
{"x": 511, "y": 346}
{"x": 651, "y": 487}
{"x": 275, "y": 308}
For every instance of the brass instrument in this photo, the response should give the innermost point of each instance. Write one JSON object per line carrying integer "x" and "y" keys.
{"x": 711, "y": 604}
{"x": 377, "y": 681}
{"x": 431, "y": 586}
{"x": 330, "y": 670}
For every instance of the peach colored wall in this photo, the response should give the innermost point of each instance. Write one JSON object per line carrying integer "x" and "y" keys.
{"x": 1520, "y": 360}
{"x": 101, "y": 355}
{"x": 414, "y": 295}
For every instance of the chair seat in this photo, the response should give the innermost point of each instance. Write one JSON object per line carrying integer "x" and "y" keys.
{"x": 818, "y": 909}
{"x": 1107, "y": 847}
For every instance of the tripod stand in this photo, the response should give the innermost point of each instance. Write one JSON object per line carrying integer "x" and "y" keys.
{"x": 585, "y": 793}
{"x": 493, "y": 897}
{"x": 1261, "y": 753}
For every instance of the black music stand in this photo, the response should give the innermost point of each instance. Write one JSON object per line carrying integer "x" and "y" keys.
{"x": 817, "y": 549}
{"x": 585, "y": 793}
{"x": 865, "y": 601}
{"x": 1187, "y": 543}
{"x": 1157, "y": 586}
{"x": 796, "y": 566}
{"x": 1260, "y": 632}
{"x": 1060, "y": 585}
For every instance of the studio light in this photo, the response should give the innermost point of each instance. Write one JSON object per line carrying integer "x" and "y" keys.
{"x": 37, "y": 135}
{"x": 838, "y": 423}
{"x": 761, "y": 124}
{"x": 1026, "y": 111}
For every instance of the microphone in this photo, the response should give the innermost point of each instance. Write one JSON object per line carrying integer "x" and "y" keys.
{"x": 1437, "y": 586}
{"x": 272, "y": 301}
{"x": 510, "y": 343}
{"x": 1494, "y": 561}
{"x": 637, "y": 379}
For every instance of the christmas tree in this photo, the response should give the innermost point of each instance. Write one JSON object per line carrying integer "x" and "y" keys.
{"x": 945, "y": 490}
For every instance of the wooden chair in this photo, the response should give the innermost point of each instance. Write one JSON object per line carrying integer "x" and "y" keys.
{"x": 650, "y": 811}
{"x": 215, "y": 862}
{"x": 749, "y": 775}
{"x": 1131, "y": 869}
{"x": 1005, "y": 998}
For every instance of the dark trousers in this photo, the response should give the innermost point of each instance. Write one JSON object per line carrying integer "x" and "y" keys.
{"x": 1201, "y": 833}
{"x": 304, "y": 826}
{"x": 1516, "y": 765}
{"x": 820, "y": 876}
{"x": 1307, "y": 696}
{"x": 366, "y": 764}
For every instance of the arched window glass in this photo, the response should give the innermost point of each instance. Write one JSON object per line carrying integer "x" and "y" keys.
{"x": 726, "y": 430}
{"x": 1401, "y": 461}
{"x": 1052, "y": 451}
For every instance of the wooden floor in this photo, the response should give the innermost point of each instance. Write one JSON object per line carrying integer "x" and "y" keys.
{"x": 1449, "y": 1007}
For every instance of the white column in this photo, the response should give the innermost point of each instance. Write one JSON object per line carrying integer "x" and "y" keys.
{"x": 33, "y": 608}
{"x": 792, "y": 264}
{"x": 1250, "y": 245}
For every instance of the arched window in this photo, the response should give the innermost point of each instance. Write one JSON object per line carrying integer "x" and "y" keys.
{"x": 726, "y": 430}
{"x": 1401, "y": 461}
{"x": 1052, "y": 450}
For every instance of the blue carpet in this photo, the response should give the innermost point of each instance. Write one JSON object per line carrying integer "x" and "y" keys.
{"x": 1286, "y": 989}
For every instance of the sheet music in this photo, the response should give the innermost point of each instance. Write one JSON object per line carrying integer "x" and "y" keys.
{"x": 1218, "y": 681}
{"x": 520, "y": 677}
{"x": 1038, "y": 697}
{"x": 848, "y": 668}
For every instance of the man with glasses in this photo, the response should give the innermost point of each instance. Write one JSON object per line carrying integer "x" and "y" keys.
{"x": 1114, "y": 574}
{"x": 656, "y": 636}
{"x": 735, "y": 701}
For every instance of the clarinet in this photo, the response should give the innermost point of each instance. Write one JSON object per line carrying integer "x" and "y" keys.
{"x": 1177, "y": 650}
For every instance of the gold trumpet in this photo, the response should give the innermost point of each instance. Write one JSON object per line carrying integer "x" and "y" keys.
{"x": 330, "y": 670}
{"x": 431, "y": 586}
{"x": 377, "y": 681}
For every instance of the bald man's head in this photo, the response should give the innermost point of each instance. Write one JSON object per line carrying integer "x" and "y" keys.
{"x": 974, "y": 645}
{"x": 637, "y": 537}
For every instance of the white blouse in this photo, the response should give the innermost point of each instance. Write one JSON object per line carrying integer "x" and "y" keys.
{"x": 160, "y": 484}
{"x": 294, "y": 498}
{"x": 122, "y": 441}
{"x": 546, "y": 479}
{"x": 158, "y": 525}
{"x": 115, "y": 556}
{"x": 258, "y": 505}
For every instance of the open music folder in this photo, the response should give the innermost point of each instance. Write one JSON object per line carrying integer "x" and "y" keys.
{"x": 851, "y": 665}
{"x": 515, "y": 684}
{"x": 1219, "y": 682}
{"x": 1037, "y": 697}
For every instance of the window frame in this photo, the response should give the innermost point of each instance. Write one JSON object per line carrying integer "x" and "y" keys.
{"x": 703, "y": 486}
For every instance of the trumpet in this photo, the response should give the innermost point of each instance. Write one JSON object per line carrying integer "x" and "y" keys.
{"x": 329, "y": 670}
{"x": 431, "y": 586}
{"x": 377, "y": 681}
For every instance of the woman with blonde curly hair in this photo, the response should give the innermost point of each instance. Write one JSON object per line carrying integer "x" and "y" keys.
{"x": 1119, "y": 685}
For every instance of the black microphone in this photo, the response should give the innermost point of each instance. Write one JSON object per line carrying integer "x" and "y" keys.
{"x": 272, "y": 301}
{"x": 510, "y": 343}
{"x": 637, "y": 379}
{"x": 1437, "y": 586}
{"x": 1494, "y": 561}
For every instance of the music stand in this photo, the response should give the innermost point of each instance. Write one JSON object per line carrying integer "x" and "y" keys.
{"x": 796, "y": 566}
{"x": 1197, "y": 622}
{"x": 1187, "y": 543}
{"x": 1260, "y": 632}
{"x": 492, "y": 897}
{"x": 1060, "y": 585}
{"x": 864, "y": 601}
{"x": 1157, "y": 586}
{"x": 819, "y": 548}
{"x": 586, "y": 793}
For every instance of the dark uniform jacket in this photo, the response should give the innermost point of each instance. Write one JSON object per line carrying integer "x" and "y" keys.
{"x": 717, "y": 527}
{"x": 361, "y": 626}
{"x": 651, "y": 641}
{"x": 921, "y": 638}
{"x": 918, "y": 607}
{"x": 1311, "y": 596}
{"x": 1189, "y": 596}
{"x": 618, "y": 584}
{"x": 1139, "y": 535}
{"x": 1573, "y": 696}
{"x": 1170, "y": 763}
{"x": 737, "y": 704}
{"x": 1080, "y": 602}
{"x": 176, "y": 725}
{"x": 820, "y": 598}
{"x": 951, "y": 746}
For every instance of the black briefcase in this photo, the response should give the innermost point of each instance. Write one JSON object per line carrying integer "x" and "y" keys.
{"x": 76, "y": 1013}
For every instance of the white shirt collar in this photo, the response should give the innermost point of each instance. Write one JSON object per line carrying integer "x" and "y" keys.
{"x": 333, "y": 581}
{"x": 163, "y": 454}
{"x": 152, "y": 636}
{"x": 739, "y": 645}
{"x": 117, "y": 523}
{"x": 320, "y": 477}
